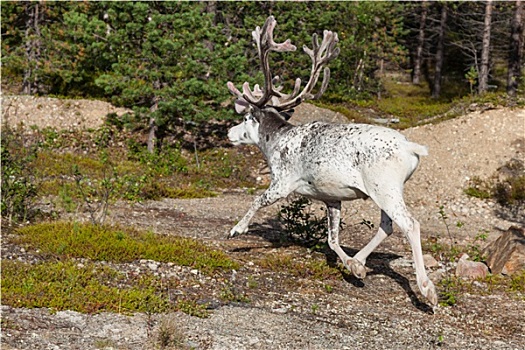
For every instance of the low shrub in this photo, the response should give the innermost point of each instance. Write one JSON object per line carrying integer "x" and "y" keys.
{"x": 87, "y": 288}
{"x": 506, "y": 186}
{"x": 115, "y": 244}
{"x": 19, "y": 186}
{"x": 301, "y": 225}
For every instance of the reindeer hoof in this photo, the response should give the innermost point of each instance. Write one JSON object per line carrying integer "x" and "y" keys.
{"x": 237, "y": 231}
{"x": 357, "y": 269}
{"x": 429, "y": 291}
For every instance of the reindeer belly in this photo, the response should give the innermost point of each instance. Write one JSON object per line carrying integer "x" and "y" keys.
{"x": 330, "y": 187}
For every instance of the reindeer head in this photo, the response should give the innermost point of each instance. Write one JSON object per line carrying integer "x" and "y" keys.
{"x": 245, "y": 133}
{"x": 256, "y": 104}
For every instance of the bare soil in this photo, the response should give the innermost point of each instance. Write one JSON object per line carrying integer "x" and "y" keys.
{"x": 280, "y": 311}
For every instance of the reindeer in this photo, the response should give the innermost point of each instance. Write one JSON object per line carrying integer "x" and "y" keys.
{"x": 327, "y": 162}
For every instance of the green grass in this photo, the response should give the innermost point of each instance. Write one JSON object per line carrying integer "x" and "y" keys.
{"x": 452, "y": 288}
{"x": 66, "y": 240}
{"x": 410, "y": 103}
{"x": 61, "y": 282}
{"x": 87, "y": 288}
{"x": 169, "y": 174}
{"x": 106, "y": 156}
{"x": 54, "y": 164}
{"x": 413, "y": 104}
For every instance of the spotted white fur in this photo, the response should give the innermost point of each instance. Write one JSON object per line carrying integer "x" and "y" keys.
{"x": 334, "y": 163}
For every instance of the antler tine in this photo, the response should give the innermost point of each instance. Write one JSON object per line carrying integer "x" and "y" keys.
{"x": 320, "y": 55}
{"x": 233, "y": 89}
{"x": 265, "y": 43}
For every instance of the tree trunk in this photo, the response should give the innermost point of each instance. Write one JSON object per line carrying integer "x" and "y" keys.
{"x": 211, "y": 7}
{"x": 485, "y": 53}
{"x": 32, "y": 46}
{"x": 416, "y": 76}
{"x": 436, "y": 91}
{"x": 515, "y": 50}
{"x": 153, "y": 127}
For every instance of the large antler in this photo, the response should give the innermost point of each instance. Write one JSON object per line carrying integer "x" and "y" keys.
{"x": 320, "y": 55}
{"x": 265, "y": 43}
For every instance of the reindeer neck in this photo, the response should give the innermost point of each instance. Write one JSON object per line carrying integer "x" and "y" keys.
{"x": 271, "y": 127}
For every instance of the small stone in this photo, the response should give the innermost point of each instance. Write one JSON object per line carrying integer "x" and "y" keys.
{"x": 437, "y": 275}
{"x": 153, "y": 266}
{"x": 471, "y": 269}
{"x": 430, "y": 261}
{"x": 281, "y": 310}
{"x": 401, "y": 262}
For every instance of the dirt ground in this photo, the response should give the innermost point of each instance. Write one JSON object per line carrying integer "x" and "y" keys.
{"x": 383, "y": 311}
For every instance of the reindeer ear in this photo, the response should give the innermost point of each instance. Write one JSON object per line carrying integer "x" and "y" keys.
{"x": 241, "y": 106}
{"x": 287, "y": 114}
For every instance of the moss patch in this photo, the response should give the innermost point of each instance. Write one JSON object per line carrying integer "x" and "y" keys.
{"x": 106, "y": 243}
{"x": 68, "y": 286}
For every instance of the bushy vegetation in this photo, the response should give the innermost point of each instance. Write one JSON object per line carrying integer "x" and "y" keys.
{"x": 105, "y": 243}
{"x": 301, "y": 225}
{"x": 314, "y": 267}
{"x": 506, "y": 186}
{"x": 19, "y": 183}
{"x": 75, "y": 274}
{"x": 170, "y": 61}
{"x": 78, "y": 171}
{"x": 89, "y": 288}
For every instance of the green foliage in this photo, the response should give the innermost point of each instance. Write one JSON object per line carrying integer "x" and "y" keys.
{"x": 106, "y": 243}
{"x": 192, "y": 308}
{"x": 472, "y": 78}
{"x": 449, "y": 291}
{"x": 170, "y": 60}
{"x": 478, "y": 188}
{"x": 79, "y": 275}
{"x": 517, "y": 282}
{"x": 162, "y": 162}
{"x": 301, "y": 225}
{"x": 96, "y": 194}
{"x": 411, "y": 104}
{"x": 93, "y": 168}
{"x": 162, "y": 65}
{"x": 85, "y": 287}
{"x": 19, "y": 185}
{"x": 507, "y": 186}
{"x": 475, "y": 250}
{"x": 229, "y": 293}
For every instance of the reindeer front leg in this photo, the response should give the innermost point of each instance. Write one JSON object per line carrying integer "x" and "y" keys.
{"x": 270, "y": 196}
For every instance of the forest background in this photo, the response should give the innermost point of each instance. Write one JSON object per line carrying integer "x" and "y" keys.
{"x": 169, "y": 61}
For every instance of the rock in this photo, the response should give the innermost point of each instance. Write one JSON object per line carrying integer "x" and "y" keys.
{"x": 401, "y": 262}
{"x": 438, "y": 275}
{"x": 506, "y": 254}
{"x": 307, "y": 113}
{"x": 470, "y": 269}
{"x": 153, "y": 266}
{"x": 430, "y": 261}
